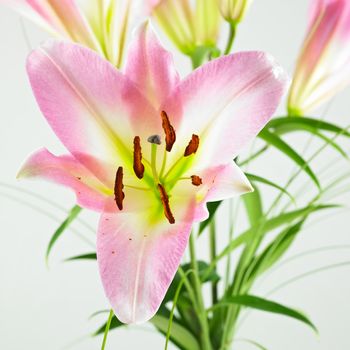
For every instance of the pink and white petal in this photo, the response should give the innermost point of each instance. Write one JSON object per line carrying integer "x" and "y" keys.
{"x": 65, "y": 170}
{"x": 150, "y": 66}
{"x": 60, "y": 17}
{"x": 137, "y": 262}
{"x": 226, "y": 102}
{"x": 223, "y": 182}
{"x": 37, "y": 17}
{"x": 92, "y": 108}
{"x": 218, "y": 183}
{"x": 67, "y": 15}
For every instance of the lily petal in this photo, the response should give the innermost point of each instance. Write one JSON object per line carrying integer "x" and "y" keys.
{"x": 91, "y": 193}
{"x": 226, "y": 181}
{"x": 227, "y": 102}
{"x": 138, "y": 263}
{"x": 218, "y": 183}
{"x": 150, "y": 66}
{"x": 92, "y": 108}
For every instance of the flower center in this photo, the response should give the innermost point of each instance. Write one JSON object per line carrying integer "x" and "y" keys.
{"x": 161, "y": 183}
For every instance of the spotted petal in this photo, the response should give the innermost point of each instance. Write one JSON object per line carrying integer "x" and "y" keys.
{"x": 90, "y": 191}
{"x": 137, "y": 262}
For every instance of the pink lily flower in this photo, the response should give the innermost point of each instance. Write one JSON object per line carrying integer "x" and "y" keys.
{"x": 148, "y": 150}
{"x": 102, "y": 25}
{"x": 323, "y": 67}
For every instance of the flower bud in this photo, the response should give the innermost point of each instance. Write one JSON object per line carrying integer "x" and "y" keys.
{"x": 188, "y": 25}
{"x": 233, "y": 10}
{"x": 323, "y": 67}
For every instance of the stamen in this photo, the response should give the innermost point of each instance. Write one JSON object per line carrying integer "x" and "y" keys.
{"x": 170, "y": 135}
{"x": 154, "y": 139}
{"x": 192, "y": 146}
{"x": 139, "y": 169}
{"x": 118, "y": 188}
{"x": 165, "y": 201}
{"x": 196, "y": 180}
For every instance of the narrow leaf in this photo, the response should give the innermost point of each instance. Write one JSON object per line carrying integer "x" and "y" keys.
{"x": 306, "y": 128}
{"x": 65, "y": 224}
{"x": 115, "y": 323}
{"x": 253, "y": 205}
{"x": 179, "y": 334}
{"x": 88, "y": 256}
{"x": 283, "y": 147}
{"x": 305, "y": 121}
{"x": 268, "y": 306}
{"x": 212, "y": 208}
{"x": 257, "y": 345}
{"x": 256, "y": 178}
{"x": 274, "y": 251}
{"x": 265, "y": 227}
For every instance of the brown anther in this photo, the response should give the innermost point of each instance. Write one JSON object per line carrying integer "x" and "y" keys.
{"x": 165, "y": 201}
{"x": 192, "y": 146}
{"x": 196, "y": 180}
{"x": 170, "y": 135}
{"x": 118, "y": 188}
{"x": 139, "y": 169}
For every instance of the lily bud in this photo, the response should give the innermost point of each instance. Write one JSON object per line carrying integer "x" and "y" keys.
{"x": 323, "y": 67}
{"x": 233, "y": 10}
{"x": 188, "y": 25}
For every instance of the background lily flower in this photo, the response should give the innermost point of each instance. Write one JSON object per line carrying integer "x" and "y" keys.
{"x": 148, "y": 150}
{"x": 188, "y": 24}
{"x": 233, "y": 10}
{"x": 102, "y": 25}
{"x": 323, "y": 67}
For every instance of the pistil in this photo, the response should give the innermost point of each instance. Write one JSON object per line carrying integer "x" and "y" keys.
{"x": 154, "y": 162}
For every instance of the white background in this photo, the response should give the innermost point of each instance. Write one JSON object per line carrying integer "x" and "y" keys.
{"x": 48, "y": 309}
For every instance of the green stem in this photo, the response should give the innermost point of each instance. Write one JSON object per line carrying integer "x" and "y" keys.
{"x": 231, "y": 38}
{"x": 212, "y": 241}
{"x": 108, "y": 325}
{"x": 204, "y": 332}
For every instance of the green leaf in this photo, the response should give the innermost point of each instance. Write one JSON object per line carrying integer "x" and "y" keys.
{"x": 253, "y": 205}
{"x": 264, "y": 227}
{"x": 262, "y": 304}
{"x": 278, "y": 143}
{"x": 212, "y": 208}
{"x": 274, "y": 251}
{"x": 256, "y": 178}
{"x": 202, "y": 268}
{"x": 114, "y": 324}
{"x": 175, "y": 300}
{"x": 313, "y": 130}
{"x": 88, "y": 256}
{"x": 65, "y": 224}
{"x": 298, "y": 122}
{"x": 257, "y": 345}
{"x": 179, "y": 335}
